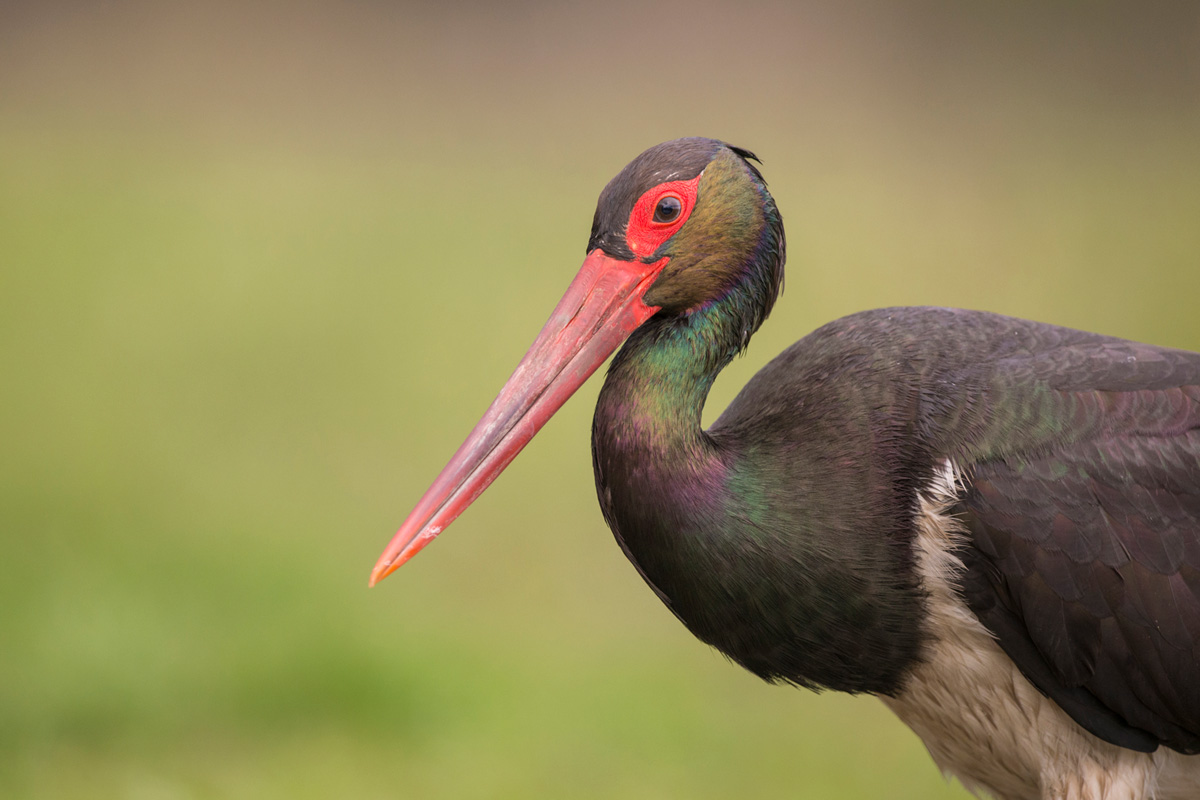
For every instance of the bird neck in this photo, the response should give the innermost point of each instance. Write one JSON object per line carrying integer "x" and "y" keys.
{"x": 752, "y": 540}
{"x": 659, "y": 474}
{"x": 662, "y": 482}
{"x": 654, "y": 395}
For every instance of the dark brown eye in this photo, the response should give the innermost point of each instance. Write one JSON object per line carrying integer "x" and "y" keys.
{"x": 668, "y": 209}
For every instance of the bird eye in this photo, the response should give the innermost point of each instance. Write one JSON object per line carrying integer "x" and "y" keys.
{"x": 668, "y": 209}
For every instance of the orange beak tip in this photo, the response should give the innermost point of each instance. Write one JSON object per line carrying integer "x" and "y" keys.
{"x": 397, "y": 555}
{"x": 376, "y": 576}
{"x": 382, "y": 570}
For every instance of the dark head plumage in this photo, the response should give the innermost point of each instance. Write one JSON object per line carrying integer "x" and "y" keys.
{"x": 732, "y": 239}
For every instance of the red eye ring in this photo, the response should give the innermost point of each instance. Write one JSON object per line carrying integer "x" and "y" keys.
{"x": 647, "y": 229}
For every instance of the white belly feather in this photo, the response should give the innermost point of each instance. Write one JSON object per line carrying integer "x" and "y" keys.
{"x": 985, "y": 724}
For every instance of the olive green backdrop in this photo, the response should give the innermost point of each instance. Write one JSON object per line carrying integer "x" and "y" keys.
{"x": 263, "y": 265}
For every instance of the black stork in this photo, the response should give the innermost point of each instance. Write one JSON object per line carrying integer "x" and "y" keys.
{"x": 991, "y": 524}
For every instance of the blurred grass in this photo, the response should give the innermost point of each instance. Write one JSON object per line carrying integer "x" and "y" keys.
{"x": 236, "y": 350}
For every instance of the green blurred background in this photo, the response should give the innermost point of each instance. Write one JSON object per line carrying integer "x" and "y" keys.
{"x": 263, "y": 265}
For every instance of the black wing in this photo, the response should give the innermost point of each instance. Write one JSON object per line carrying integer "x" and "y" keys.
{"x": 1084, "y": 551}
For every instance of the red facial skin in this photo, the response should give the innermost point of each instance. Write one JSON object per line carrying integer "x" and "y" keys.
{"x": 644, "y": 236}
{"x": 601, "y": 307}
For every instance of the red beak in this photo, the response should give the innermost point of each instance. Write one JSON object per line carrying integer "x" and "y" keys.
{"x": 601, "y": 307}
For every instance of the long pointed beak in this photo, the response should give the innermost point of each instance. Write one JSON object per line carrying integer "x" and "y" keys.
{"x": 601, "y": 307}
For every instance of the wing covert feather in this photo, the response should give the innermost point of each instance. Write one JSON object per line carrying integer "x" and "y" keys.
{"x": 1084, "y": 558}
